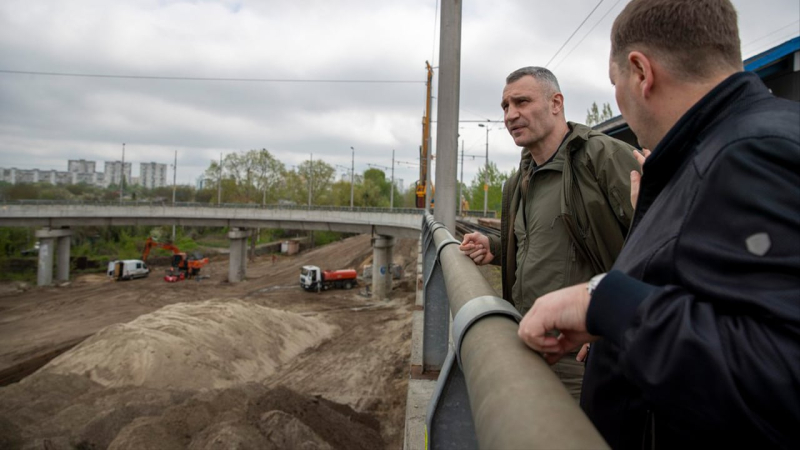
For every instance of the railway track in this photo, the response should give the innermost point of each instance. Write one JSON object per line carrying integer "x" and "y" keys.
{"x": 464, "y": 226}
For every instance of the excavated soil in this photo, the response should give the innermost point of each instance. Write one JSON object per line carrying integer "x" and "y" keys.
{"x": 207, "y": 364}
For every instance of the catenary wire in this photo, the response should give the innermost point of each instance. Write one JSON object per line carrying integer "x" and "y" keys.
{"x": 573, "y": 33}
{"x": 158, "y": 77}
{"x": 587, "y": 34}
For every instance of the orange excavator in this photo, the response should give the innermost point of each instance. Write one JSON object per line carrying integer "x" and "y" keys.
{"x": 186, "y": 266}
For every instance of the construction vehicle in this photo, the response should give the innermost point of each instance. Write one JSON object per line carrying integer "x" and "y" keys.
{"x": 188, "y": 266}
{"x": 425, "y": 149}
{"x": 314, "y": 279}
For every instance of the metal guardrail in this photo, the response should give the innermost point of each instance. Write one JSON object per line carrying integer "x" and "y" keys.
{"x": 232, "y": 205}
{"x": 492, "y": 391}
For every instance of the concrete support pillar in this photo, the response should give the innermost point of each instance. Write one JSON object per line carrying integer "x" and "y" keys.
{"x": 47, "y": 245}
{"x": 381, "y": 267}
{"x": 44, "y": 274}
{"x": 62, "y": 262}
{"x": 237, "y": 269}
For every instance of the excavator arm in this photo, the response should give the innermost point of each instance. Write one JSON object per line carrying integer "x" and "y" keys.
{"x": 150, "y": 244}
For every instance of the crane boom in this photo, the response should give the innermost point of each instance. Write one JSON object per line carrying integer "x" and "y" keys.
{"x": 422, "y": 184}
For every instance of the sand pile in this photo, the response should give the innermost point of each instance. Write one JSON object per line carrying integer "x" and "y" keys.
{"x": 203, "y": 345}
{"x": 65, "y": 412}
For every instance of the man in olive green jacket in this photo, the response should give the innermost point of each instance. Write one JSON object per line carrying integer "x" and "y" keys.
{"x": 565, "y": 211}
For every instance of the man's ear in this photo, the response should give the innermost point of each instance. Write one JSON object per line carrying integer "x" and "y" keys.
{"x": 640, "y": 69}
{"x": 557, "y": 103}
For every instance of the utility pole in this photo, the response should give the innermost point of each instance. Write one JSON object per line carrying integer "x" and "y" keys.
{"x": 174, "y": 178}
{"x": 391, "y": 193}
{"x": 122, "y": 174}
{"x": 486, "y": 174}
{"x": 352, "y": 174}
{"x": 219, "y": 182}
{"x": 461, "y": 183}
{"x": 310, "y": 178}
{"x": 448, "y": 102}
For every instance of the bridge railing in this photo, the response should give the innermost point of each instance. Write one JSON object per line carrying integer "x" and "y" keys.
{"x": 150, "y": 203}
{"x": 492, "y": 390}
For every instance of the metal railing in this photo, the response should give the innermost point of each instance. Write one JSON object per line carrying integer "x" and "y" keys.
{"x": 492, "y": 391}
{"x": 167, "y": 204}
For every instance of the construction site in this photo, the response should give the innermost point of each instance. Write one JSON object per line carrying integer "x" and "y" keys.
{"x": 204, "y": 363}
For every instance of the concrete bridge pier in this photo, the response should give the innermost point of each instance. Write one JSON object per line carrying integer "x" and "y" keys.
{"x": 237, "y": 269}
{"x": 49, "y": 241}
{"x": 381, "y": 266}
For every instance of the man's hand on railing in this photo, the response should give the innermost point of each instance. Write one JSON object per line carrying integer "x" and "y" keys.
{"x": 476, "y": 246}
{"x": 556, "y": 324}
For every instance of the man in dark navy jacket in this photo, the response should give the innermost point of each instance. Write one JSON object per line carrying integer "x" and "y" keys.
{"x": 696, "y": 329}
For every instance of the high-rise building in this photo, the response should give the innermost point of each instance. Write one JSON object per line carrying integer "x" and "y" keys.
{"x": 80, "y": 166}
{"x": 152, "y": 175}
{"x": 114, "y": 172}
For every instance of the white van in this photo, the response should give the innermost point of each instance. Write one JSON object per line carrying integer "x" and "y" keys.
{"x": 127, "y": 269}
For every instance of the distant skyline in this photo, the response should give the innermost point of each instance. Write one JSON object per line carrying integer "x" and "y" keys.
{"x": 293, "y": 77}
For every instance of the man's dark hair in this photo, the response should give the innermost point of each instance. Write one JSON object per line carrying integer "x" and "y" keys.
{"x": 541, "y": 74}
{"x": 694, "y": 38}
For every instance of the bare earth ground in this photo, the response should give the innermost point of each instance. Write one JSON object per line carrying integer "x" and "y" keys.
{"x": 258, "y": 364}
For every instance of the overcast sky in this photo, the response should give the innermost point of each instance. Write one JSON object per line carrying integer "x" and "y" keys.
{"x": 46, "y": 120}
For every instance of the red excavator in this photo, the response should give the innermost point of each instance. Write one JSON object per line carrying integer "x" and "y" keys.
{"x": 183, "y": 266}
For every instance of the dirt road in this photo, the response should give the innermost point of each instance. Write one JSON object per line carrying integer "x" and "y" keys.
{"x": 339, "y": 384}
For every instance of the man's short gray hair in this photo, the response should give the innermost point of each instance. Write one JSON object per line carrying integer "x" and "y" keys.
{"x": 539, "y": 73}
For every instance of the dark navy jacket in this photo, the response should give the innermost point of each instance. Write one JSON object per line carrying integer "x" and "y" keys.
{"x": 700, "y": 317}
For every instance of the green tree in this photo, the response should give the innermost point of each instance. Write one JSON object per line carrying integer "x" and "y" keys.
{"x": 269, "y": 173}
{"x": 320, "y": 175}
{"x": 476, "y": 190}
{"x": 595, "y": 116}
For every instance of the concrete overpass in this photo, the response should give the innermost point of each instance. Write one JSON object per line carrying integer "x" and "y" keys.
{"x": 57, "y": 218}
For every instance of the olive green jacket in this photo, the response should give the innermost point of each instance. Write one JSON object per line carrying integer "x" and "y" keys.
{"x": 595, "y": 202}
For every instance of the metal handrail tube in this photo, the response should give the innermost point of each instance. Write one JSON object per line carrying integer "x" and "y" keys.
{"x": 517, "y": 400}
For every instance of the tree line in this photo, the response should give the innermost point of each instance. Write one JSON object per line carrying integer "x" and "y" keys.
{"x": 257, "y": 177}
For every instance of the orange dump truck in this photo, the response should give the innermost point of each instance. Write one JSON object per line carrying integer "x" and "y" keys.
{"x": 314, "y": 279}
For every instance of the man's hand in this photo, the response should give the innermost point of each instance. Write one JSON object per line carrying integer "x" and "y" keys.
{"x": 563, "y": 310}
{"x": 583, "y": 353}
{"x": 476, "y": 246}
{"x": 636, "y": 177}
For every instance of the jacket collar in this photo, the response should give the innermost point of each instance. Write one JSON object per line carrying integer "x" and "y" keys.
{"x": 676, "y": 147}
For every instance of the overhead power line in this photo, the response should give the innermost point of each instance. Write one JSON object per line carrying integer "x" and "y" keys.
{"x": 587, "y": 34}
{"x": 769, "y": 34}
{"x": 158, "y": 77}
{"x": 573, "y": 33}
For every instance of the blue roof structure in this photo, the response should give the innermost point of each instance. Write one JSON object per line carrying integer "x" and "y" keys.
{"x": 760, "y": 63}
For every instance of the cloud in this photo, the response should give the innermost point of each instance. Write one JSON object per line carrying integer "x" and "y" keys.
{"x": 46, "y": 120}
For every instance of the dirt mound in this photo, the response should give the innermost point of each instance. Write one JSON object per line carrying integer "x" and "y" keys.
{"x": 92, "y": 278}
{"x": 85, "y": 415}
{"x": 202, "y": 345}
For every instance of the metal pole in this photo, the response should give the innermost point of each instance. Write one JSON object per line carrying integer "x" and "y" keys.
{"x": 461, "y": 183}
{"x": 310, "y": 178}
{"x": 448, "y": 101}
{"x": 492, "y": 355}
{"x": 174, "y": 184}
{"x": 219, "y": 182}
{"x": 486, "y": 178}
{"x": 122, "y": 174}
{"x": 352, "y": 174}
{"x": 391, "y": 193}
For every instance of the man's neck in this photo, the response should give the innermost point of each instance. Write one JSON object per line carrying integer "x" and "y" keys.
{"x": 543, "y": 150}
{"x": 673, "y": 107}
